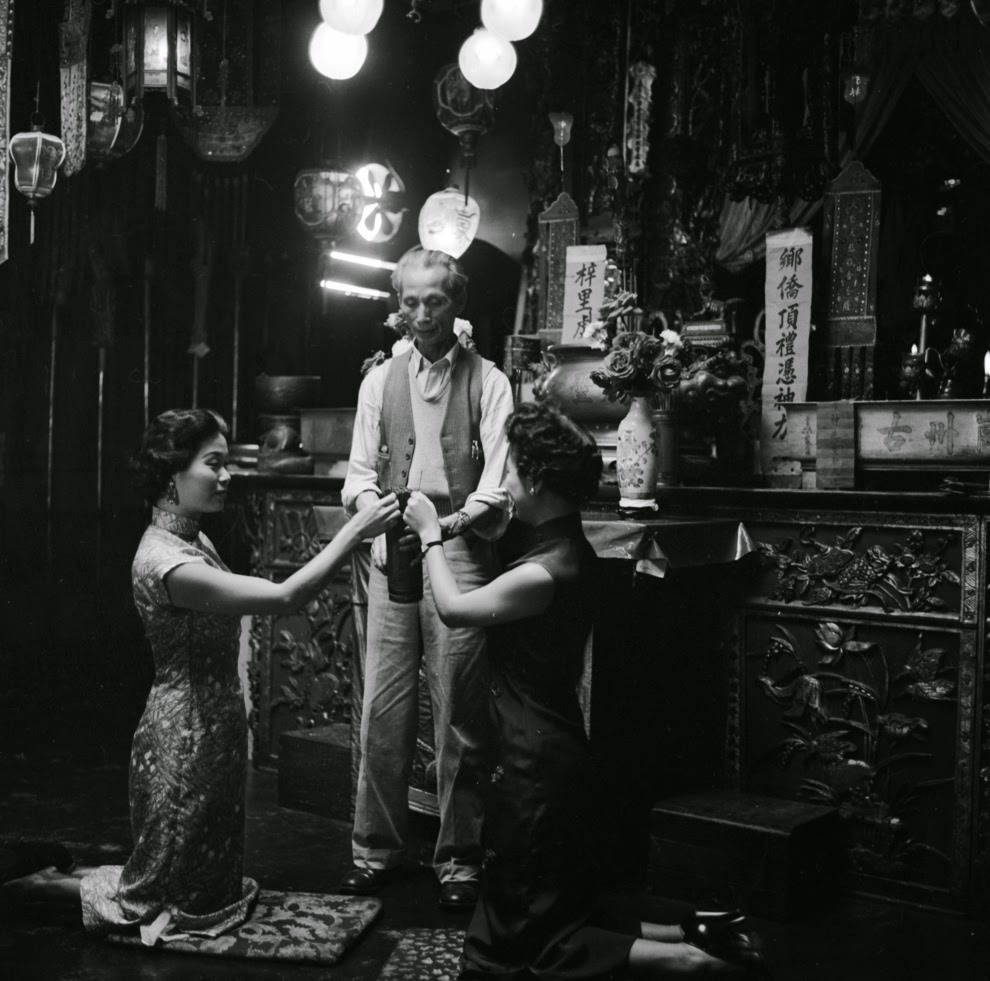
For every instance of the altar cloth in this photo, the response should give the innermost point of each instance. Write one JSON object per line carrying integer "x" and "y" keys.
{"x": 657, "y": 545}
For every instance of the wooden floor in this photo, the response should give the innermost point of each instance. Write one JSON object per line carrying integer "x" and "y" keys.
{"x": 84, "y": 804}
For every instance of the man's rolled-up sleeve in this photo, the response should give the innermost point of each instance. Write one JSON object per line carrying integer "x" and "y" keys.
{"x": 362, "y": 465}
{"x": 496, "y": 407}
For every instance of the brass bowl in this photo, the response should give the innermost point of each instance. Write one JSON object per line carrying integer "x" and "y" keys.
{"x": 281, "y": 394}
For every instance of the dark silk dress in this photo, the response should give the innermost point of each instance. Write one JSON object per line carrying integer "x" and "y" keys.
{"x": 535, "y": 916}
{"x": 188, "y": 758}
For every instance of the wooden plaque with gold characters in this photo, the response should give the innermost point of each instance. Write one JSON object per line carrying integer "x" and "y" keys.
{"x": 851, "y": 230}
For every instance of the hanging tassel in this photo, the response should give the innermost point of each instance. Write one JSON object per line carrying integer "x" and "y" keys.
{"x": 161, "y": 172}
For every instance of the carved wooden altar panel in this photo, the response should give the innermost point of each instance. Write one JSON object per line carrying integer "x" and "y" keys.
{"x": 851, "y": 233}
{"x": 869, "y": 716}
{"x": 866, "y": 563}
{"x": 300, "y": 671}
{"x": 860, "y": 653}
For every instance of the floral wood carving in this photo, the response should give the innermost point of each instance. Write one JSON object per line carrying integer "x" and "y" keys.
{"x": 248, "y": 518}
{"x": 317, "y": 687}
{"x": 856, "y": 724}
{"x": 903, "y": 576}
{"x": 296, "y": 535}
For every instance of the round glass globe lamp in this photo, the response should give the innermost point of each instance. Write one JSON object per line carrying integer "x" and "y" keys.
{"x": 511, "y": 19}
{"x": 336, "y": 54}
{"x": 486, "y": 60}
{"x": 351, "y": 16}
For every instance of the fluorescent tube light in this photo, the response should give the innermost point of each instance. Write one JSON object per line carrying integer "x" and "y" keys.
{"x": 350, "y": 289}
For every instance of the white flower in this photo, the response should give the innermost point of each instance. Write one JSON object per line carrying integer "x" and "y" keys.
{"x": 463, "y": 331}
{"x": 402, "y": 345}
{"x": 595, "y": 332}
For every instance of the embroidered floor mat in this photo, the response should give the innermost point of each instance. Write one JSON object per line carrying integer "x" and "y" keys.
{"x": 425, "y": 955}
{"x": 285, "y": 926}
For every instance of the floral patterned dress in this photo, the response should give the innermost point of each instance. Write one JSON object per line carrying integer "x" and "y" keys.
{"x": 187, "y": 763}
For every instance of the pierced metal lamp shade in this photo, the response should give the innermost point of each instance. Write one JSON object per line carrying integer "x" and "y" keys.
{"x": 328, "y": 202}
{"x": 462, "y": 109}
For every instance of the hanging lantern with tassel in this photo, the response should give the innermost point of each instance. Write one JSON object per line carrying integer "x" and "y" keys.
{"x": 37, "y": 157}
{"x": 159, "y": 56}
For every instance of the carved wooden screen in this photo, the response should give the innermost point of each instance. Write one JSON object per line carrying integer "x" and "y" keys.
{"x": 851, "y": 235}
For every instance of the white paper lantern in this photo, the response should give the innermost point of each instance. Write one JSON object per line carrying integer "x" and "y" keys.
{"x": 511, "y": 19}
{"x": 351, "y": 16}
{"x": 335, "y": 54}
{"x": 486, "y": 60}
{"x": 449, "y": 223}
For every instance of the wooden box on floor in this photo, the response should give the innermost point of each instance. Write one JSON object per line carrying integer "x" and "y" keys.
{"x": 314, "y": 771}
{"x": 773, "y": 858}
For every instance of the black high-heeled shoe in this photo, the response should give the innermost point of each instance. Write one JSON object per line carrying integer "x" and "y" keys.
{"x": 721, "y": 934}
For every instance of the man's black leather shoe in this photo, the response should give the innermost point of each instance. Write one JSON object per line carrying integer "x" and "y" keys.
{"x": 723, "y": 935}
{"x": 364, "y": 882}
{"x": 458, "y": 896}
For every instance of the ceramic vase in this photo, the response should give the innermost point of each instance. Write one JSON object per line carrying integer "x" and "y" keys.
{"x": 636, "y": 454}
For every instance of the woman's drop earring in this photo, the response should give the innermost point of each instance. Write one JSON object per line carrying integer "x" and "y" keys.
{"x": 172, "y": 493}
{"x": 532, "y": 491}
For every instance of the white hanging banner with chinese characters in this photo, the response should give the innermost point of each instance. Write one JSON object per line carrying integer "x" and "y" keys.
{"x": 584, "y": 289}
{"x": 787, "y": 297}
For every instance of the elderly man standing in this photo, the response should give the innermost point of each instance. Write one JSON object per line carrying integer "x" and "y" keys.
{"x": 431, "y": 419}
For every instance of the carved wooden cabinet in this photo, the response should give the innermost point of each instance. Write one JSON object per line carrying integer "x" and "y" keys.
{"x": 860, "y": 677}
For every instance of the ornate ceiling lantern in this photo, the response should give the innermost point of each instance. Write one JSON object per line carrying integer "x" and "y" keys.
{"x": 236, "y": 88}
{"x": 463, "y": 110}
{"x": 158, "y": 50}
{"x": 37, "y": 157}
{"x": 329, "y": 202}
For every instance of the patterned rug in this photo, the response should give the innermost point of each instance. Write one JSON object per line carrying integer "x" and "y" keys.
{"x": 425, "y": 955}
{"x": 285, "y": 926}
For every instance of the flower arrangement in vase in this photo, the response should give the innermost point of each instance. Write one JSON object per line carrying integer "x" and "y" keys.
{"x": 642, "y": 366}
{"x": 659, "y": 374}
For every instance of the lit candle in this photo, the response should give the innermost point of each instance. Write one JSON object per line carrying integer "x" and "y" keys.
{"x": 923, "y": 339}
{"x": 914, "y": 350}
{"x": 986, "y": 375}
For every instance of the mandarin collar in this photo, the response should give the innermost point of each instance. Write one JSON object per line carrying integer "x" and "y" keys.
{"x": 566, "y": 525}
{"x": 177, "y": 524}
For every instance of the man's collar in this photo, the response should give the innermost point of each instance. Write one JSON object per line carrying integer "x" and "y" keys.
{"x": 420, "y": 362}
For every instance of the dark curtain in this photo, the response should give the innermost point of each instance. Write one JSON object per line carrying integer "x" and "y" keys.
{"x": 951, "y": 59}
